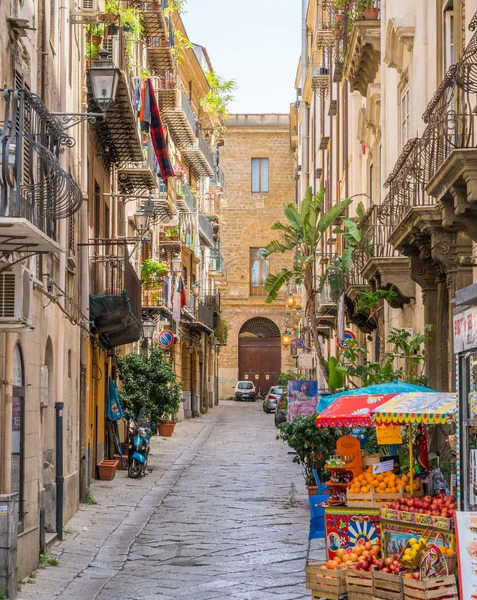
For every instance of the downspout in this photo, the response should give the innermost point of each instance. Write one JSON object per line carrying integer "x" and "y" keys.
{"x": 60, "y": 333}
{"x": 7, "y": 417}
{"x": 304, "y": 111}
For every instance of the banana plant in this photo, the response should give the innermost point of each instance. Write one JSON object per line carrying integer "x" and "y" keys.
{"x": 302, "y": 234}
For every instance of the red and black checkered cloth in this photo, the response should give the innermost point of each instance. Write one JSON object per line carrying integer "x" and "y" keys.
{"x": 158, "y": 137}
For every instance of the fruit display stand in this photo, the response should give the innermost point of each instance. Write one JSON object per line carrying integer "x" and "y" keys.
{"x": 359, "y": 585}
{"x": 387, "y": 586}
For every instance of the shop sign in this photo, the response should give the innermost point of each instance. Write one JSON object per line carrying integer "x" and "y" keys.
{"x": 465, "y": 330}
{"x": 388, "y": 435}
{"x": 387, "y": 465}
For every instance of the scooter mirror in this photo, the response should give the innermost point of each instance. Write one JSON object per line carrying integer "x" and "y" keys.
{"x": 131, "y": 416}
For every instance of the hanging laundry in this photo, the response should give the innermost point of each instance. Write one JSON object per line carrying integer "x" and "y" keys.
{"x": 158, "y": 137}
{"x": 137, "y": 81}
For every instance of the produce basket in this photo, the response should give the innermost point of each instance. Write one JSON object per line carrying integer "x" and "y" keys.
{"x": 372, "y": 499}
{"x": 359, "y": 584}
{"x": 326, "y": 583}
{"x": 387, "y": 586}
{"x": 431, "y": 589}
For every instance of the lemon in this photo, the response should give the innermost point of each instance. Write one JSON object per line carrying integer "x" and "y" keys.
{"x": 413, "y": 554}
{"x": 416, "y": 547}
{"x": 412, "y": 541}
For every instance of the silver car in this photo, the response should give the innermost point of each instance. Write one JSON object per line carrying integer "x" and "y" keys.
{"x": 270, "y": 402}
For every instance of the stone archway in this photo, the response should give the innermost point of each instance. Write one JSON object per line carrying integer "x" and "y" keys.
{"x": 260, "y": 352}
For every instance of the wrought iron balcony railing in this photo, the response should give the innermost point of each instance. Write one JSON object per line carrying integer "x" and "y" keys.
{"x": 205, "y": 315}
{"x": 207, "y": 152}
{"x": 33, "y": 186}
{"x": 206, "y": 228}
{"x": 155, "y": 293}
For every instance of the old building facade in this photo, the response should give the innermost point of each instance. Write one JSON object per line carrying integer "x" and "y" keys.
{"x": 259, "y": 166}
{"x": 377, "y": 121}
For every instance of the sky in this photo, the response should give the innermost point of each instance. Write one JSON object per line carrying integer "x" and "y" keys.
{"x": 255, "y": 42}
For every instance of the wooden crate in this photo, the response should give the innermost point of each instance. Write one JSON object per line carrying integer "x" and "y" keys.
{"x": 325, "y": 583}
{"x": 359, "y": 585}
{"x": 429, "y": 589}
{"x": 387, "y": 586}
{"x": 372, "y": 499}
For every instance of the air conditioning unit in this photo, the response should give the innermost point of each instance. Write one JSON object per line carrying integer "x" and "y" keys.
{"x": 88, "y": 14}
{"x": 16, "y": 299}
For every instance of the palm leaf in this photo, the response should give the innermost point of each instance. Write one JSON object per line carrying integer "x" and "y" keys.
{"x": 352, "y": 228}
{"x": 334, "y": 212}
{"x": 293, "y": 216}
{"x": 274, "y": 283}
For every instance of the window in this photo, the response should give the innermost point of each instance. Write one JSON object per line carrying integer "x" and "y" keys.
{"x": 404, "y": 116}
{"x": 258, "y": 271}
{"x": 370, "y": 183}
{"x": 259, "y": 174}
{"x": 448, "y": 37}
{"x": 18, "y": 431}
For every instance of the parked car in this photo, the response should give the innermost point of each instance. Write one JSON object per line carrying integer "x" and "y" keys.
{"x": 245, "y": 390}
{"x": 281, "y": 411}
{"x": 270, "y": 402}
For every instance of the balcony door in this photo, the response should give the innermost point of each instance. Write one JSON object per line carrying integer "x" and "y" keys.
{"x": 18, "y": 432}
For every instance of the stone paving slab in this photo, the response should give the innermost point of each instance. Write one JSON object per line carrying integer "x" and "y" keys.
{"x": 211, "y": 521}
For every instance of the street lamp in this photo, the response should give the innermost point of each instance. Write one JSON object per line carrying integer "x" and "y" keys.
{"x": 104, "y": 78}
{"x": 195, "y": 288}
{"x": 176, "y": 264}
{"x": 148, "y": 329}
{"x": 291, "y": 301}
{"x": 286, "y": 339}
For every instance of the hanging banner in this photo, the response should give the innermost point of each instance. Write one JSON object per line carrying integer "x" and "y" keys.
{"x": 388, "y": 434}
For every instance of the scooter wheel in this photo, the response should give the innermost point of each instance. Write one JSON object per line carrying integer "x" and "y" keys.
{"x": 134, "y": 469}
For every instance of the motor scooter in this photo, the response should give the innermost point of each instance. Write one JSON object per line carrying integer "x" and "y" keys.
{"x": 139, "y": 444}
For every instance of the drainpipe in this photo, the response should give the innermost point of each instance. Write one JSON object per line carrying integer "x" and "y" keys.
{"x": 7, "y": 417}
{"x": 59, "y": 406}
{"x": 304, "y": 110}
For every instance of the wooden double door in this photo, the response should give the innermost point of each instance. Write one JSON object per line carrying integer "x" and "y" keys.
{"x": 260, "y": 362}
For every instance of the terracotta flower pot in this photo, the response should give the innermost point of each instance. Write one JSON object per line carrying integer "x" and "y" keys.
{"x": 166, "y": 429}
{"x": 107, "y": 470}
{"x": 312, "y": 490}
{"x": 339, "y": 19}
{"x": 371, "y": 13}
{"x": 96, "y": 40}
{"x": 124, "y": 447}
{"x": 124, "y": 466}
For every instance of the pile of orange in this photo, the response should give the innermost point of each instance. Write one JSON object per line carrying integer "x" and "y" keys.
{"x": 384, "y": 483}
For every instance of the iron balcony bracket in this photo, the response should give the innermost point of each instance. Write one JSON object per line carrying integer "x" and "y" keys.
{"x": 75, "y": 118}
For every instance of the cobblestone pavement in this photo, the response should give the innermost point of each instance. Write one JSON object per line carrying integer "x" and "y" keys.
{"x": 211, "y": 521}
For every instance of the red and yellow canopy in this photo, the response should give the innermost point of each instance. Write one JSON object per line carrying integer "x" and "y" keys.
{"x": 432, "y": 408}
{"x": 351, "y": 411}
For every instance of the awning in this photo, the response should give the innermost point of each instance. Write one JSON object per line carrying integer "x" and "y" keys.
{"x": 351, "y": 411}
{"x": 433, "y": 408}
{"x": 113, "y": 319}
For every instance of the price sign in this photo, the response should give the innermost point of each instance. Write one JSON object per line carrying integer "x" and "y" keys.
{"x": 166, "y": 339}
{"x": 344, "y": 342}
{"x": 388, "y": 465}
{"x": 388, "y": 434}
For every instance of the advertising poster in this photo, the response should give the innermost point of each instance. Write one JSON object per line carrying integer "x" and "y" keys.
{"x": 302, "y": 398}
{"x": 466, "y": 526}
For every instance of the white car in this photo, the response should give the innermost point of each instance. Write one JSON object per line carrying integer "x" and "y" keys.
{"x": 245, "y": 390}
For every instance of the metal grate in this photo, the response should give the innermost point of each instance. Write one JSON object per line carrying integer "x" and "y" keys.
{"x": 7, "y": 295}
{"x": 261, "y": 327}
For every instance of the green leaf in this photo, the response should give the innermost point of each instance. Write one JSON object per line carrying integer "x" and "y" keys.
{"x": 334, "y": 212}
{"x": 293, "y": 216}
{"x": 275, "y": 282}
{"x": 352, "y": 228}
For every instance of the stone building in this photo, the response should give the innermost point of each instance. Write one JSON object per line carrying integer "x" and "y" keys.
{"x": 376, "y": 121}
{"x": 259, "y": 166}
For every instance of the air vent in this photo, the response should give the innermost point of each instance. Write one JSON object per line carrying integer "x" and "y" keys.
{"x": 7, "y": 296}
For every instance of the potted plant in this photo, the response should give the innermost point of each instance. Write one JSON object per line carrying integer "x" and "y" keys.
{"x": 151, "y": 270}
{"x": 370, "y": 10}
{"x": 172, "y": 233}
{"x": 313, "y": 446}
{"x": 95, "y": 34}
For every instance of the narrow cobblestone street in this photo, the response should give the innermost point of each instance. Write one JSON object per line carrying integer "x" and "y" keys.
{"x": 211, "y": 521}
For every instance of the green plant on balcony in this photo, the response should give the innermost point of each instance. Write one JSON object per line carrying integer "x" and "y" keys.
{"x": 220, "y": 95}
{"x": 94, "y": 37}
{"x": 181, "y": 44}
{"x": 172, "y": 233}
{"x": 152, "y": 269}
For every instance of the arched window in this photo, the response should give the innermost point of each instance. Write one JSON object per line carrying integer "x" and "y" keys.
{"x": 18, "y": 430}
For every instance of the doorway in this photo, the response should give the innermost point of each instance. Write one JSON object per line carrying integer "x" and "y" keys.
{"x": 260, "y": 353}
{"x": 18, "y": 432}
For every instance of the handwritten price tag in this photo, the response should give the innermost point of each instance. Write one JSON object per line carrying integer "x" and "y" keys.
{"x": 388, "y": 465}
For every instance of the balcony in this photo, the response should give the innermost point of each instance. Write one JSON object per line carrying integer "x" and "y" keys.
{"x": 218, "y": 179}
{"x": 206, "y": 315}
{"x": 185, "y": 200}
{"x": 155, "y": 294}
{"x": 115, "y": 304}
{"x": 165, "y": 86}
{"x": 385, "y": 267}
{"x": 206, "y": 230}
{"x": 118, "y": 134}
{"x": 359, "y": 45}
{"x": 180, "y": 120}
{"x": 153, "y": 21}
{"x": 216, "y": 262}
{"x": 199, "y": 157}
{"x": 321, "y": 79}
{"x": 159, "y": 52}
{"x": 35, "y": 192}
{"x": 137, "y": 178}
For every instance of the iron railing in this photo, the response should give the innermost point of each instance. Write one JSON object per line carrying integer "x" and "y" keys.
{"x": 205, "y": 315}
{"x": 32, "y": 183}
{"x": 212, "y": 302}
{"x": 155, "y": 293}
{"x": 188, "y": 198}
{"x": 206, "y": 227}
{"x": 207, "y": 152}
{"x": 216, "y": 260}
{"x": 187, "y": 109}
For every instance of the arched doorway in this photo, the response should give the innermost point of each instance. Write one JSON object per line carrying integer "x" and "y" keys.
{"x": 260, "y": 353}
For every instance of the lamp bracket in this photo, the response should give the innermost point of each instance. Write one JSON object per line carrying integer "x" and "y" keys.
{"x": 75, "y": 118}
